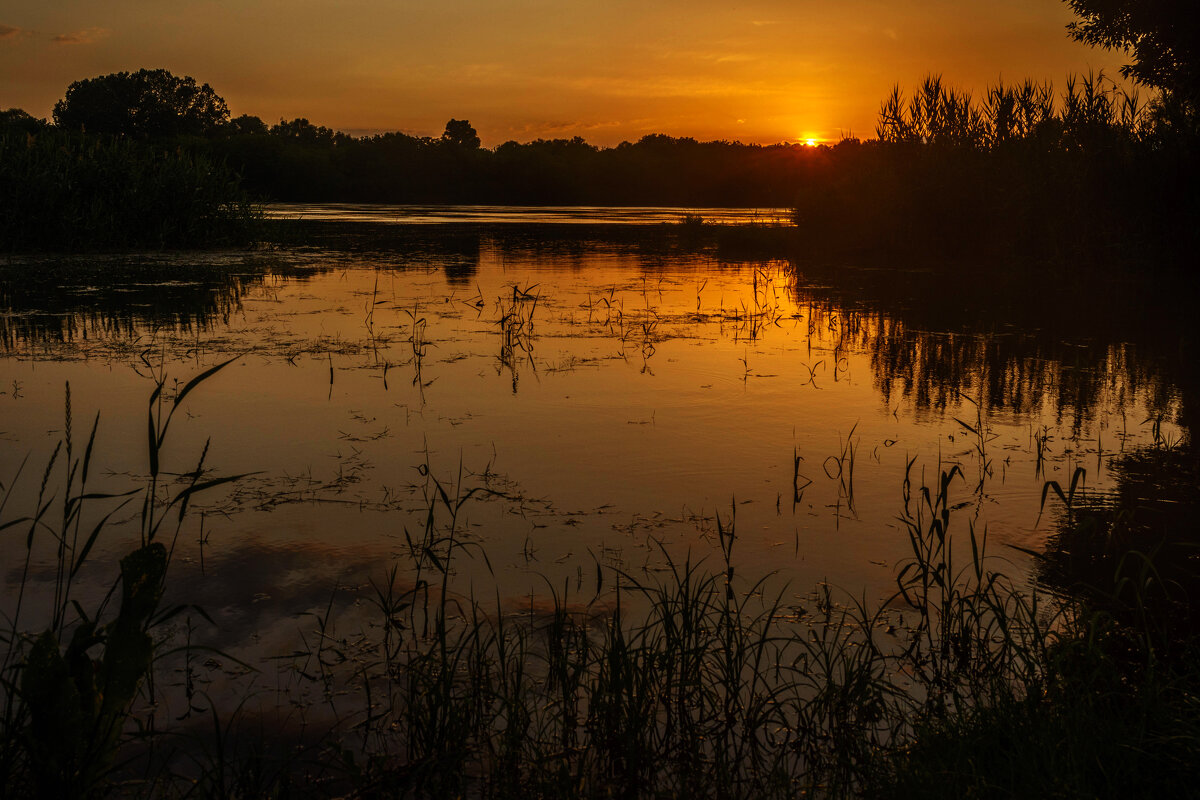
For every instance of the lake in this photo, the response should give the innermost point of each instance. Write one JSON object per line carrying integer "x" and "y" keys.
{"x": 601, "y": 399}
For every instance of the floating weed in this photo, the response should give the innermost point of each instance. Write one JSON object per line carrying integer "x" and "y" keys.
{"x": 1041, "y": 439}
{"x": 840, "y": 467}
{"x": 516, "y": 329}
{"x": 982, "y": 435}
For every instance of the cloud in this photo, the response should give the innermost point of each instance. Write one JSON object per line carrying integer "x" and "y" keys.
{"x": 669, "y": 86}
{"x": 10, "y": 31}
{"x": 564, "y": 127}
{"x": 86, "y": 36}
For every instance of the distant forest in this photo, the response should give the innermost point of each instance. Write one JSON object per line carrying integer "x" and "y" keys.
{"x": 296, "y": 160}
{"x": 1028, "y": 166}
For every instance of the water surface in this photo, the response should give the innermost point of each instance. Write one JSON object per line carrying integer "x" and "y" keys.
{"x": 607, "y": 403}
{"x": 505, "y": 214}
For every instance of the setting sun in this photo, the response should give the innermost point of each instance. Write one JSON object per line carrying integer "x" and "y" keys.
{"x": 516, "y": 72}
{"x": 489, "y": 331}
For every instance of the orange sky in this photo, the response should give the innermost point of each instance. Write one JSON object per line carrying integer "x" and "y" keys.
{"x": 608, "y": 70}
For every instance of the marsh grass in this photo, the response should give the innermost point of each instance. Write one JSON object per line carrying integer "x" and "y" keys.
{"x": 70, "y": 675}
{"x": 696, "y": 680}
{"x": 1112, "y": 710}
{"x": 1026, "y": 170}
{"x": 693, "y": 678}
{"x": 62, "y": 192}
{"x": 516, "y": 330}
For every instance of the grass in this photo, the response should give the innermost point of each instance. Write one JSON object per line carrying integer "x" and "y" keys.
{"x": 516, "y": 331}
{"x": 68, "y": 690}
{"x": 695, "y": 680}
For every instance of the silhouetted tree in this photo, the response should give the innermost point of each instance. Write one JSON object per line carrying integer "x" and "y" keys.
{"x": 459, "y": 133}
{"x": 147, "y": 103}
{"x": 1163, "y": 37}
{"x": 17, "y": 120}
{"x": 247, "y": 125}
{"x": 304, "y": 131}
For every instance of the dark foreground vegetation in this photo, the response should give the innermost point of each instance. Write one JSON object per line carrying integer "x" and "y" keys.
{"x": 702, "y": 681}
{"x": 63, "y": 192}
{"x": 698, "y": 680}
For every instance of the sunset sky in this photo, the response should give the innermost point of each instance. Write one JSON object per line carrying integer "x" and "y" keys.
{"x": 608, "y": 70}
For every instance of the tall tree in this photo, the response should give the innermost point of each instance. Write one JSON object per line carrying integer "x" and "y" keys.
{"x": 1162, "y": 36}
{"x": 461, "y": 135}
{"x": 146, "y": 104}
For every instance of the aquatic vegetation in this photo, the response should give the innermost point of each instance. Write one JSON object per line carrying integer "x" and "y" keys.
{"x": 65, "y": 708}
{"x": 1028, "y": 115}
{"x": 689, "y": 675}
{"x": 516, "y": 330}
{"x": 72, "y": 192}
{"x": 642, "y": 646}
{"x": 1024, "y": 171}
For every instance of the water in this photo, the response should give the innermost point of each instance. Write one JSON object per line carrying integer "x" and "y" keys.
{"x": 606, "y": 401}
{"x": 555, "y": 215}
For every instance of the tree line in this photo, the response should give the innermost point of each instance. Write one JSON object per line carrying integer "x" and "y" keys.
{"x": 297, "y": 160}
{"x": 1021, "y": 162}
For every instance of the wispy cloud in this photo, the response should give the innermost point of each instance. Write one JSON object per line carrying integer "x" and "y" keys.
{"x": 666, "y": 86}
{"x": 707, "y": 56}
{"x": 86, "y": 36}
{"x": 10, "y": 31}
{"x": 560, "y": 127}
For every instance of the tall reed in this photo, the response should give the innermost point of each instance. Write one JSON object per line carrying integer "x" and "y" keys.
{"x": 70, "y": 674}
{"x": 71, "y": 192}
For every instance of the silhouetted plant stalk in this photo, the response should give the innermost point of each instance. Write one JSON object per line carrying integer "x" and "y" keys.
{"x": 516, "y": 330}
{"x": 69, "y": 692}
{"x": 1090, "y": 108}
{"x": 689, "y": 680}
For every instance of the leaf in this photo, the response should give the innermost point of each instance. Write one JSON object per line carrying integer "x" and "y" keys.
{"x": 209, "y": 484}
{"x": 154, "y": 442}
{"x": 12, "y": 522}
{"x": 203, "y": 376}
{"x": 87, "y": 454}
{"x": 91, "y": 540}
{"x": 187, "y": 387}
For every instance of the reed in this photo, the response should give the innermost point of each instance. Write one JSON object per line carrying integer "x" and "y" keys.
{"x": 65, "y": 192}
{"x": 516, "y": 330}
{"x": 696, "y": 680}
{"x": 1091, "y": 111}
{"x": 71, "y": 677}
{"x": 693, "y": 679}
